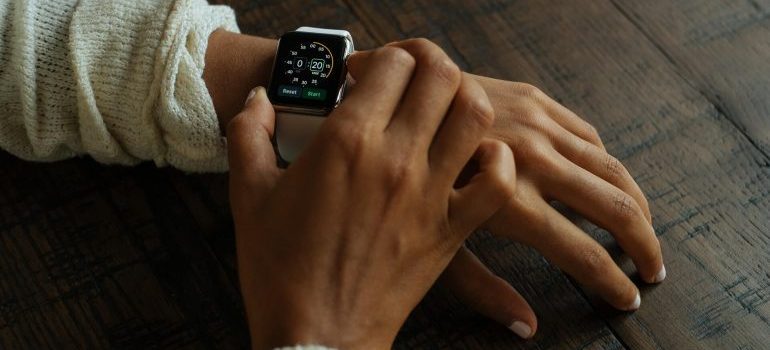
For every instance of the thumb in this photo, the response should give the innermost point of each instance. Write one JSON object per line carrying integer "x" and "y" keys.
{"x": 487, "y": 191}
{"x": 249, "y": 149}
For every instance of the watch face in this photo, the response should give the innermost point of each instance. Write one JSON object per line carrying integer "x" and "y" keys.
{"x": 309, "y": 70}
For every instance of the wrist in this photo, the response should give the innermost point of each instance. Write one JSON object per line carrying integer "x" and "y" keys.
{"x": 269, "y": 330}
{"x": 235, "y": 63}
{"x": 304, "y": 316}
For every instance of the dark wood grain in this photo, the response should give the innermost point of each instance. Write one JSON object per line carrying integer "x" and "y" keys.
{"x": 721, "y": 49}
{"x": 138, "y": 258}
{"x": 97, "y": 257}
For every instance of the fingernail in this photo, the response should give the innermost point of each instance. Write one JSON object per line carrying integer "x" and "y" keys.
{"x": 521, "y": 329}
{"x": 661, "y": 274}
{"x": 253, "y": 93}
{"x": 635, "y": 305}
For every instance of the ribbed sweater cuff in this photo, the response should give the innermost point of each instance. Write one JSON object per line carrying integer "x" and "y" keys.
{"x": 139, "y": 67}
{"x": 186, "y": 115}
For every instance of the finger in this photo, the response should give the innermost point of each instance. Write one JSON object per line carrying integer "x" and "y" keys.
{"x": 597, "y": 161}
{"x": 488, "y": 294}
{"x": 573, "y": 123}
{"x": 562, "y": 115}
{"x": 490, "y": 188}
{"x": 381, "y": 77}
{"x": 612, "y": 209}
{"x": 469, "y": 118}
{"x": 250, "y": 153}
{"x": 430, "y": 93}
{"x": 568, "y": 247}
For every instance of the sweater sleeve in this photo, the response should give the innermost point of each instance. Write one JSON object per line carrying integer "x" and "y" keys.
{"x": 119, "y": 80}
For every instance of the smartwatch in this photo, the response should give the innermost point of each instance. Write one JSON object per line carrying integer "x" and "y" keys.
{"x": 307, "y": 83}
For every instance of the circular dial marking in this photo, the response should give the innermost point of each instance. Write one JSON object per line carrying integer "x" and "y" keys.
{"x": 309, "y": 63}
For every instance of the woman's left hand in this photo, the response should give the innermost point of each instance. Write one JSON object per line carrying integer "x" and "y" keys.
{"x": 559, "y": 157}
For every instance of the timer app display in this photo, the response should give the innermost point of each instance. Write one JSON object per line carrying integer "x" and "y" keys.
{"x": 308, "y": 70}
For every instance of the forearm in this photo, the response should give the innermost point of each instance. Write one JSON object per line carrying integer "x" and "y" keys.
{"x": 235, "y": 64}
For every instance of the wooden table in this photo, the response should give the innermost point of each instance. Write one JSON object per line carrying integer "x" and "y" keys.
{"x": 94, "y": 256}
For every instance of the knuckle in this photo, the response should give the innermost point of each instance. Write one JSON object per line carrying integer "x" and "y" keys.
{"x": 625, "y": 209}
{"x": 529, "y": 90}
{"x": 593, "y": 134}
{"x": 614, "y": 168}
{"x": 533, "y": 116}
{"x": 538, "y": 118}
{"x": 397, "y": 175}
{"x": 481, "y": 111}
{"x": 351, "y": 141}
{"x": 435, "y": 60}
{"x": 539, "y": 154}
{"x": 396, "y": 56}
{"x": 445, "y": 70}
{"x": 530, "y": 149}
{"x": 496, "y": 146}
{"x": 422, "y": 45}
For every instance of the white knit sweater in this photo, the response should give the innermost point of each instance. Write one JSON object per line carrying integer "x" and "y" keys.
{"x": 119, "y": 80}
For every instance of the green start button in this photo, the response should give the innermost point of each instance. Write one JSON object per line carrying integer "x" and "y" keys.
{"x": 314, "y": 94}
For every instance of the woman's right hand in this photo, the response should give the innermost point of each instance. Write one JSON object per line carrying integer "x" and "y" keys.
{"x": 340, "y": 247}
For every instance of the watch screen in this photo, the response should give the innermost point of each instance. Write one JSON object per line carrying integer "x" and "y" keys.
{"x": 308, "y": 70}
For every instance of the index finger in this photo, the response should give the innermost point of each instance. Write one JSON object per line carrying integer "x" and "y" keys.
{"x": 469, "y": 118}
{"x": 381, "y": 76}
{"x": 430, "y": 93}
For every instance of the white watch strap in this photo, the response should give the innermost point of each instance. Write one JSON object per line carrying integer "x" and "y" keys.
{"x": 294, "y": 131}
{"x": 339, "y": 32}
